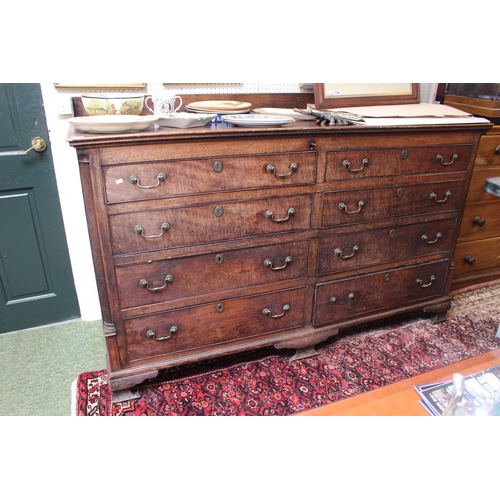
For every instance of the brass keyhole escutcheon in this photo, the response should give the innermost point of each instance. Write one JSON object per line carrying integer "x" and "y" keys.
{"x": 219, "y": 211}
{"x": 217, "y": 166}
{"x": 219, "y": 258}
{"x": 392, "y": 233}
{"x": 399, "y": 192}
{"x": 404, "y": 154}
{"x": 219, "y": 308}
{"x": 387, "y": 277}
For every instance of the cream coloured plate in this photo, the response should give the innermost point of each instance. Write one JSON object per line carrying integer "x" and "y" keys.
{"x": 252, "y": 120}
{"x": 220, "y": 105}
{"x": 219, "y": 112}
{"x": 283, "y": 112}
{"x": 108, "y": 124}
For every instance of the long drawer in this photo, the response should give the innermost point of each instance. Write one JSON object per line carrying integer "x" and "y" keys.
{"x": 158, "y": 229}
{"x": 343, "y": 299}
{"x": 476, "y": 193}
{"x": 361, "y": 205}
{"x": 163, "y": 280}
{"x": 489, "y": 150}
{"x": 476, "y": 256}
{"x": 363, "y": 163}
{"x": 480, "y": 221}
{"x": 145, "y": 181}
{"x": 213, "y": 324}
{"x": 342, "y": 252}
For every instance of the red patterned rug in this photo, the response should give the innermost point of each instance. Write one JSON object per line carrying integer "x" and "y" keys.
{"x": 357, "y": 361}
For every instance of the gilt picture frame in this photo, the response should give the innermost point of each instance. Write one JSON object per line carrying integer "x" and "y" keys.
{"x": 100, "y": 86}
{"x": 339, "y": 95}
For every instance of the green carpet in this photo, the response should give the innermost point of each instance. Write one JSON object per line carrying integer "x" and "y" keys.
{"x": 39, "y": 365}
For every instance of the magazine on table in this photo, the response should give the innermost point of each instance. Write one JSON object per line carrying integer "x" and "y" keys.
{"x": 478, "y": 389}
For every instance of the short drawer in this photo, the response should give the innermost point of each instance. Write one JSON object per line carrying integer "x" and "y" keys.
{"x": 214, "y": 324}
{"x": 164, "y": 280}
{"x": 489, "y": 150}
{"x": 145, "y": 181}
{"x": 343, "y": 299}
{"x": 476, "y": 256}
{"x": 480, "y": 221}
{"x": 158, "y": 229}
{"x": 342, "y": 252}
{"x": 361, "y": 205}
{"x": 352, "y": 164}
{"x": 476, "y": 190}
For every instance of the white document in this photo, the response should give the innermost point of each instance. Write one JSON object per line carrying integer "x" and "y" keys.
{"x": 406, "y": 111}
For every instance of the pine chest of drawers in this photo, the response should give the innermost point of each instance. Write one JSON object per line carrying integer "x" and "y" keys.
{"x": 221, "y": 239}
{"x": 477, "y": 256}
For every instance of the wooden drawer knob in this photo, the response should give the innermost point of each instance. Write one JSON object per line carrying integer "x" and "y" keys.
{"x": 479, "y": 221}
{"x": 470, "y": 260}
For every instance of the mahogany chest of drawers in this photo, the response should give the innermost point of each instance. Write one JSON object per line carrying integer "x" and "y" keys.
{"x": 217, "y": 240}
{"x": 477, "y": 256}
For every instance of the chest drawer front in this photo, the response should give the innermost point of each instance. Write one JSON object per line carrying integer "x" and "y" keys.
{"x": 352, "y": 164}
{"x": 478, "y": 181}
{"x": 342, "y": 252}
{"x": 342, "y": 299}
{"x": 159, "y": 229}
{"x": 214, "y": 324}
{"x": 165, "y": 280}
{"x": 489, "y": 150}
{"x": 481, "y": 221}
{"x": 475, "y": 256}
{"x": 361, "y": 205}
{"x": 146, "y": 181}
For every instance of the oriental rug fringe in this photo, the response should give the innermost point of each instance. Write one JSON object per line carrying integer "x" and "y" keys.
{"x": 268, "y": 383}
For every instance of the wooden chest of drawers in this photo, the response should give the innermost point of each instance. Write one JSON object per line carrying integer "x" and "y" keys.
{"x": 221, "y": 239}
{"x": 477, "y": 256}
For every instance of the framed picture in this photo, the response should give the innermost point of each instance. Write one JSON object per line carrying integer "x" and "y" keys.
{"x": 339, "y": 95}
{"x": 95, "y": 86}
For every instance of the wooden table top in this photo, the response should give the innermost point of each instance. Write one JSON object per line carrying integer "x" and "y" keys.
{"x": 401, "y": 398}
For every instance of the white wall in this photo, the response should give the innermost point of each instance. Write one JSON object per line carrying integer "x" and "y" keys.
{"x": 58, "y": 111}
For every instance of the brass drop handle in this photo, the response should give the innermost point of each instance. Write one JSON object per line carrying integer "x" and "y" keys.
{"x": 140, "y": 230}
{"x": 168, "y": 279}
{"x": 343, "y": 206}
{"x": 421, "y": 282}
{"x": 440, "y": 159}
{"x": 347, "y": 164}
{"x": 268, "y": 263}
{"x": 152, "y": 335}
{"x": 479, "y": 221}
{"x": 433, "y": 197}
{"x": 339, "y": 253}
{"x": 133, "y": 179}
{"x": 38, "y": 144}
{"x": 290, "y": 212}
{"x": 268, "y": 312}
{"x": 272, "y": 170}
{"x": 426, "y": 238}
{"x": 470, "y": 260}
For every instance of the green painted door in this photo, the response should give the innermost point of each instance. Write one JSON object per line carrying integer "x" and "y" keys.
{"x": 36, "y": 281}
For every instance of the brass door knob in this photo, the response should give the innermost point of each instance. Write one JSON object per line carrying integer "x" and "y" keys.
{"x": 38, "y": 144}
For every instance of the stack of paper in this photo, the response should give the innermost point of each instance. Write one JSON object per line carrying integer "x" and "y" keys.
{"x": 411, "y": 114}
